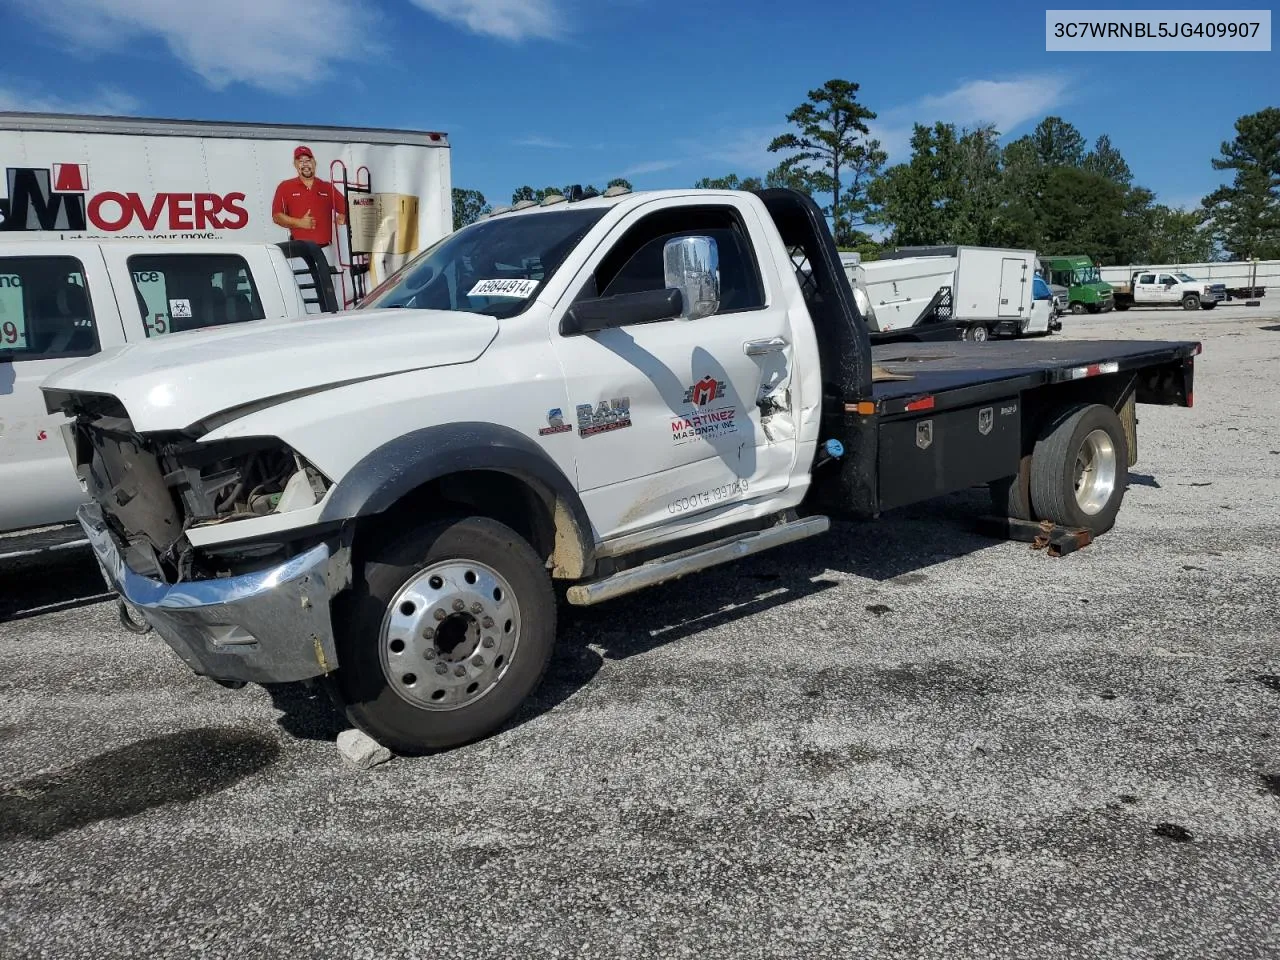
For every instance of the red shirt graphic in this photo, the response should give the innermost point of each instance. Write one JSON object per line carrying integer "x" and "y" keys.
{"x": 294, "y": 199}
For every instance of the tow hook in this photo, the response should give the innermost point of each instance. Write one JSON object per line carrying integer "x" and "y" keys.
{"x": 831, "y": 450}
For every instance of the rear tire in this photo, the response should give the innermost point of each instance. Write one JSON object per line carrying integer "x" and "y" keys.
{"x": 1207, "y": 306}
{"x": 449, "y": 628}
{"x": 1122, "y": 306}
{"x": 1191, "y": 302}
{"x": 1080, "y": 468}
{"x": 977, "y": 333}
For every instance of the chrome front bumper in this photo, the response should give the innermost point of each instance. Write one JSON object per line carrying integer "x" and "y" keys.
{"x": 270, "y": 626}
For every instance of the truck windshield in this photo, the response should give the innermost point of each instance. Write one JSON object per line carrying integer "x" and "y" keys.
{"x": 495, "y": 267}
{"x": 1185, "y": 277}
{"x": 1087, "y": 275}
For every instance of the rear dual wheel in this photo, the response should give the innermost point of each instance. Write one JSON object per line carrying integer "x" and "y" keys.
{"x": 1076, "y": 474}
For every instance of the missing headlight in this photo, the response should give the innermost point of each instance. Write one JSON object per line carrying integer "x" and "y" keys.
{"x": 237, "y": 479}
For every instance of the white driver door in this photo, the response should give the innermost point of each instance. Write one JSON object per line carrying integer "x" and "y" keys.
{"x": 680, "y": 419}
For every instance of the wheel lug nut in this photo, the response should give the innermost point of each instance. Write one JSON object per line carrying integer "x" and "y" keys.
{"x": 428, "y": 634}
{"x": 459, "y": 671}
{"x": 459, "y": 606}
{"x": 476, "y": 608}
{"x": 477, "y": 661}
{"x": 428, "y": 654}
{"x": 488, "y": 641}
{"x": 440, "y": 614}
{"x": 487, "y": 623}
{"x": 441, "y": 669}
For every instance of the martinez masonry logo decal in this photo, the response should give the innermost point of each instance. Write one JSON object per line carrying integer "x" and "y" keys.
{"x": 708, "y": 420}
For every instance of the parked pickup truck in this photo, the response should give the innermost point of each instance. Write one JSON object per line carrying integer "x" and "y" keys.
{"x": 611, "y": 393}
{"x": 1149, "y": 288}
{"x": 64, "y": 299}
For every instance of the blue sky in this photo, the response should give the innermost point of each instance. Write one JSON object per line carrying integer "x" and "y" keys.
{"x": 660, "y": 91}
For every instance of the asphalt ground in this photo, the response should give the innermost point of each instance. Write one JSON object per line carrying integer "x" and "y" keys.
{"x": 898, "y": 740}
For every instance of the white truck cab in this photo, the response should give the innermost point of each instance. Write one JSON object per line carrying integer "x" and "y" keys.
{"x": 1153, "y": 288}
{"x": 64, "y": 300}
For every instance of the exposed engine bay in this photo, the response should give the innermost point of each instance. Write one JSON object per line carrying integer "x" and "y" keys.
{"x": 154, "y": 489}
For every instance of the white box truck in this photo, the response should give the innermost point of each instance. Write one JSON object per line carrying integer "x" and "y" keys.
{"x": 370, "y": 198}
{"x": 987, "y": 291}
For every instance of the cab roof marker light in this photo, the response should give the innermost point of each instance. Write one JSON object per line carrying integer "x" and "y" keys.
{"x": 551, "y": 199}
{"x": 499, "y": 210}
{"x": 616, "y": 191}
{"x": 524, "y": 205}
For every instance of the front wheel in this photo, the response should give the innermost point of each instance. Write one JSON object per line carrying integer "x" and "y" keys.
{"x": 1190, "y": 302}
{"x": 1080, "y": 468}
{"x": 1077, "y": 308}
{"x": 449, "y": 629}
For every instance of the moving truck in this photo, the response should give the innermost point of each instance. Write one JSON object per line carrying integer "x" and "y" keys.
{"x": 986, "y": 292}
{"x": 611, "y": 393}
{"x": 370, "y": 198}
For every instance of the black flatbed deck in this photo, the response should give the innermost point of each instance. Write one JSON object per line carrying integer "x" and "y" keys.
{"x": 961, "y": 372}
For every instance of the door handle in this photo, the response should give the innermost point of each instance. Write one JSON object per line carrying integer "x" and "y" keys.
{"x": 759, "y": 348}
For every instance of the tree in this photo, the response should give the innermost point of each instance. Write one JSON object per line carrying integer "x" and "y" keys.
{"x": 468, "y": 207}
{"x": 1246, "y": 214}
{"x": 1058, "y": 143}
{"x": 1106, "y": 160}
{"x": 949, "y": 192}
{"x": 1177, "y": 236}
{"x": 833, "y": 153}
{"x": 729, "y": 182}
{"x": 619, "y": 182}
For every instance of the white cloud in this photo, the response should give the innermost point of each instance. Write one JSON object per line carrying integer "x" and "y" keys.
{"x": 272, "y": 44}
{"x": 505, "y": 19}
{"x": 546, "y": 142}
{"x": 106, "y": 101}
{"x": 1006, "y": 103}
{"x": 652, "y": 166}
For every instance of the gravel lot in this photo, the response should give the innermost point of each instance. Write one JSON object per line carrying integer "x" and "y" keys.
{"x": 902, "y": 739}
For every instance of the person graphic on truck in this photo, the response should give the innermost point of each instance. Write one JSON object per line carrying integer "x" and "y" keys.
{"x": 305, "y": 204}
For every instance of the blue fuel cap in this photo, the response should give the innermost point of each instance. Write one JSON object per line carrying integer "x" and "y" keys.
{"x": 834, "y": 448}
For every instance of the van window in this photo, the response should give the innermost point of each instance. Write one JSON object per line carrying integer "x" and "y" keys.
{"x": 187, "y": 291}
{"x": 45, "y": 309}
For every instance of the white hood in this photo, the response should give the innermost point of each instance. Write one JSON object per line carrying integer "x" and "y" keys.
{"x": 179, "y": 379}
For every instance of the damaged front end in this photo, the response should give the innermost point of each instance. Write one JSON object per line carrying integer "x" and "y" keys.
{"x": 154, "y": 490}
{"x": 249, "y": 609}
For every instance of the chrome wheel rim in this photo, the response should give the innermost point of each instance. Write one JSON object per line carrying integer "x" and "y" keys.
{"x": 980, "y": 334}
{"x": 450, "y": 635}
{"x": 1095, "y": 472}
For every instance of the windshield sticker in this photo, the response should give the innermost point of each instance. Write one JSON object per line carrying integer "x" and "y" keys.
{"x": 607, "y": 416}
{"x": 180, "y": 309}
{"x": 555, "y": 423}
{"x": 515, "y": 289}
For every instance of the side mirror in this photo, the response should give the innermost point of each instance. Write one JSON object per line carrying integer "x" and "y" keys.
{"x": 606, "y": 313}
{"x": 692, "y": 266}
